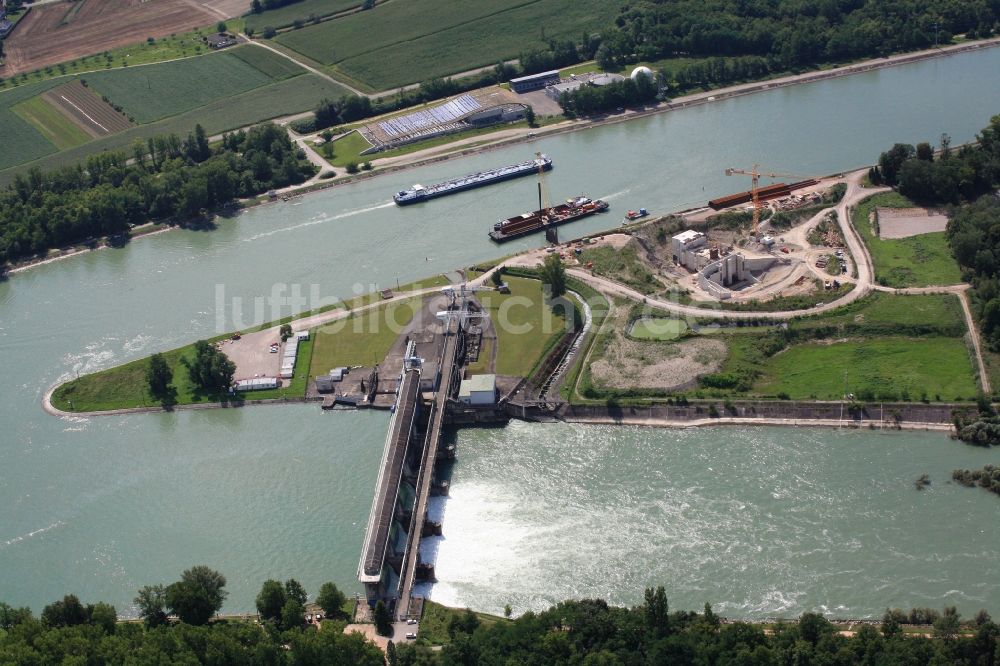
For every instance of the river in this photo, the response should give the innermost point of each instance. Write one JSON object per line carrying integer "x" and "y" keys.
{"x": 102, "y": 506}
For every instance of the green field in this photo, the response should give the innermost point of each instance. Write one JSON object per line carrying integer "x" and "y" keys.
{"x": 363, "y": 339}
{"x": 918, "y": 261}
{"x": 154, "y": 92}
{"x": 526, "y": 327}
{"x": 125, "y": 386}
{"x": 59, "y": 130}
{"x": 267, "y": 62}
{"x": 21, "y": 141}
{"x": 658, "y": 329}
{"x": 880, "y": 311}
{"x": 919, "y": 366}
{"x": 424, "y": 39}
{"x": 294, "y": 95}
{"x": 282, "y": 17}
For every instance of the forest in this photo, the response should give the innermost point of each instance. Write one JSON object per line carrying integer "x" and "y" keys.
{"x": 789, "y": 33}
{"x": 165, "y": 178}
{"x": 585, "y": 632}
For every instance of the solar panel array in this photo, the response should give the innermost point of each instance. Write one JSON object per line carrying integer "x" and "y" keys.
{"x": 430, "y": 120}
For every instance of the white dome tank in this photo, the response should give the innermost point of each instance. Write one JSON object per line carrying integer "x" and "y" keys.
{"x": 641, "y": 71}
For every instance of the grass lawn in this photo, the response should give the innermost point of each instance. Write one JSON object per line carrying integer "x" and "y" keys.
{"x": 363, "y": 339}
{"x": 282, "y": 17}
{"x": 889, "y": 312}
{"x": 890, "y": 365}
{"x": 434, "y": 623}
{"x": 430, "y": 38}
{"x": 526, "y": 326}
{"x": 59, "y": 130}
{"x": 347, "y": 149}
{"x": 658, "y": 329}
{"x": 918, "y": 261}
{"x": 125, "y": 386}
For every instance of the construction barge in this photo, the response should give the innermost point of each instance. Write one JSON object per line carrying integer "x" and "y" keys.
{"x": 420, "y": 193}
{"x": 546, "y": 218}
{"x": 767, "y": 193}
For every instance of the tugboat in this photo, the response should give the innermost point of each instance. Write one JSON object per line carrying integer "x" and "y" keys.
{"x": 633, "y": 215}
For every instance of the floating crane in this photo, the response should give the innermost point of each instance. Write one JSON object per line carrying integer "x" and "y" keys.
{"x": 755, "y": 175}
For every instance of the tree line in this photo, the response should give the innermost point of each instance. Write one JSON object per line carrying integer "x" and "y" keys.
{"x": 179, "y": 627}
{"x": 786, "y": 33}
{"x": 164, "y": 178}
{"x": 589, "y": 99}
{"x": 592, "y": 632}
{"x": 586, "y": 632}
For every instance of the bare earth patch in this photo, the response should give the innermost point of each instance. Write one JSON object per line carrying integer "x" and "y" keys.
{"x": 656, "y": 365}
{"x": 906, "y": 222}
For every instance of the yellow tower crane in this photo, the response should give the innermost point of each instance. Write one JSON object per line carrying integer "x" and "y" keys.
{"x": 755, "y": 175}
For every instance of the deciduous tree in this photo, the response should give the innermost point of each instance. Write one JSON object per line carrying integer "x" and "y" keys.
{"x": 331, "y": 600}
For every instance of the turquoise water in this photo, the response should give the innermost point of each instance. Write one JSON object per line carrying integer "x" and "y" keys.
{"x": 102, "y": 506}
{"x": 760, "y": 522}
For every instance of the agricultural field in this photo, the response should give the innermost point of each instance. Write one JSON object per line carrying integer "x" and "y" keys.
{"x": 65, "y": 31}
{"x": 424, "y": 39}
{"x": 280, "y": 98}
{"x": 21, "y": 140}
{"x": 57, "y": 128}
{"x": 283, "y": 17}
{"x": 86, "y": 110}
{"x": 151, "y": 50}
{"x": 917, "y": 261}
{"x": 155, "y": 92}
{"x": 267, "y": 62}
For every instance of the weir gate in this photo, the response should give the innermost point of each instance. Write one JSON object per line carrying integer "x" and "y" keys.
{"x": 390, "y": 559}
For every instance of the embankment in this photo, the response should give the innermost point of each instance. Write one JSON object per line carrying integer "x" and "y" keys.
{"x": 895, "y": 415}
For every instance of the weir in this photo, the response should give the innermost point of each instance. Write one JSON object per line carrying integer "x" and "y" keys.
{"x": 390, "y": 559}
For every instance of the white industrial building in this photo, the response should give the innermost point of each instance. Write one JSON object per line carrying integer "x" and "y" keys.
{"x": 478, "y": 390}
{"x": 684, "y": 248}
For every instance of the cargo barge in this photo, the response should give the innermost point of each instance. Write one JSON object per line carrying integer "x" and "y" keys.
{"x": 767, "y": 193}
{"x": 546, "y": 218}
{"x": 420, "y": 193}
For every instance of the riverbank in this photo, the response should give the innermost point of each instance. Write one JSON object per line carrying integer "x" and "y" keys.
{"x": 508, "y": 137}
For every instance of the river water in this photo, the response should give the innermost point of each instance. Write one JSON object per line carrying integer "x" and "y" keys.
{"x": 102, "y": 506}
